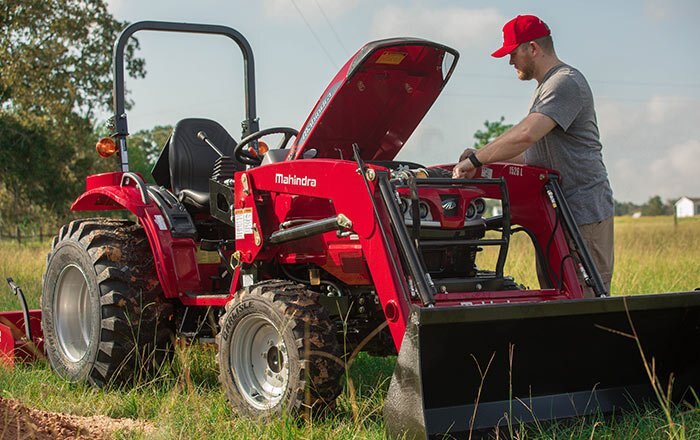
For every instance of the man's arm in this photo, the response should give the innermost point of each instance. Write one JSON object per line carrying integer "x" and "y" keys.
{"x": 510, "y": 145}
{"x": 520, "y": 158}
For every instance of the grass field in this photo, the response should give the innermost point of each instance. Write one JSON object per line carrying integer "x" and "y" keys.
{"x": 652, "y": 255}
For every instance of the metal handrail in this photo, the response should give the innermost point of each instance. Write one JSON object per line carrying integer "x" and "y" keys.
{"x": 140, "y": 184}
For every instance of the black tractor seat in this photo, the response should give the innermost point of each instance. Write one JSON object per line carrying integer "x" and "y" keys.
{"x": 186, "y": 162}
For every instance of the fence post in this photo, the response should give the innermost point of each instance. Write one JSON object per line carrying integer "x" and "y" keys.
{"x": 41, "y": 234}
{"x": 19, "y": 235}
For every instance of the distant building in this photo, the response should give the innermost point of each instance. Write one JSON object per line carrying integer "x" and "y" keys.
{"x": 687, "y": 207}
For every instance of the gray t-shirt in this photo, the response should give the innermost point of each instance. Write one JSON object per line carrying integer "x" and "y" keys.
{"x": 573, "y": 146}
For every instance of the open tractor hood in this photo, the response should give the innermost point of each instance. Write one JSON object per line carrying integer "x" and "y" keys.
{"x": 376, "y": 100}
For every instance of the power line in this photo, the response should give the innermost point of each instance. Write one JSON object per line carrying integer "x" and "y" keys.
{"x": 482, "y": 96}
{"x": 598, "y": 97}
{"x": 318, "y": 40}
{"x": 337, "y": 37}
{"x": 593, "y": 80}
{"x": 641, "y": 83}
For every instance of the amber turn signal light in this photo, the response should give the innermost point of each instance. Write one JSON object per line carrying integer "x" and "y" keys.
{"x": 106, "y": 147}
{"x": 262, "y": 149}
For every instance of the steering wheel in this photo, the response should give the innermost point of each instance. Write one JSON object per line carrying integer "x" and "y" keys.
{"x": 247, "y": 158}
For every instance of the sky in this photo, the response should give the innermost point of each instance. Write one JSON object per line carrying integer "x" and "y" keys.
{"x": 640, "y": 58}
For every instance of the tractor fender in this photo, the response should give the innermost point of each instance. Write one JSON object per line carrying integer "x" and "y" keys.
{"x": 174, "y": 254}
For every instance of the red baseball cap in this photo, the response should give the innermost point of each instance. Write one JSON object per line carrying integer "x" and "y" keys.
{"x": 521, "y": 29}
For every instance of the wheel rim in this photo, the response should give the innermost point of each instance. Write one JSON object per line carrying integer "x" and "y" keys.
{"x": 72, "y": 312}
{"x": 259, "y": 361}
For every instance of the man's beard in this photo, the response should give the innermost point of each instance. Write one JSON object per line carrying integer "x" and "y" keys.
{"x": 526, "y": 71}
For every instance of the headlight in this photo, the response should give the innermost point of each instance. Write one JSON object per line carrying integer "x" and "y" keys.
{"x": 480, "y": 206}
{"x": 424, "y": 210}
{"x": 471, "y": 212}
{"x": 404, "y": 205}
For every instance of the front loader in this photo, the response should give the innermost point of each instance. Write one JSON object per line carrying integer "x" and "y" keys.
{"x": 286, "y": 255}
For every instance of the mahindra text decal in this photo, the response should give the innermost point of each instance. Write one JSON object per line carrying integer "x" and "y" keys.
{"x": 289, "y": 179}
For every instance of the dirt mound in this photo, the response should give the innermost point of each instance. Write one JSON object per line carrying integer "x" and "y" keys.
{"x": 20, "y": 422}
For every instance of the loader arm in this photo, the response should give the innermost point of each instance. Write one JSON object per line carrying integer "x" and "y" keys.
{"x": 340, "y": 183}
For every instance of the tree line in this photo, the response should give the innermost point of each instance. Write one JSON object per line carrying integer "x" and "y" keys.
{"x": 654, "y": 206}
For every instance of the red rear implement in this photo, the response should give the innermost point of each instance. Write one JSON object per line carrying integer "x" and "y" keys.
{"x": 20, "y": 332}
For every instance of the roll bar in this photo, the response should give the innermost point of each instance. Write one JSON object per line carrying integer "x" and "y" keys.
{"x": 249, "y": 125}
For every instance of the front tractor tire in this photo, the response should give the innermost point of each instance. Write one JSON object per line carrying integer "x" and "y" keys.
{"x": 278, "y": 351}
{"x": 103, "y": 314}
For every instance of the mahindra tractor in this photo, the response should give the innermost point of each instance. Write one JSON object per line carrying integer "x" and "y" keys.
{"x": 295, "y": 257}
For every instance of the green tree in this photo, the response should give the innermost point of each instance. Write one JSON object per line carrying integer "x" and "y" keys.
{"x": 55, "y": 74}
{"x": 492, "y": 131}
{"x": 626, "y": 208}
{"x": 655, "y": 206}
{"x": 56, "y": 57}
{"x": 144, "y": 148}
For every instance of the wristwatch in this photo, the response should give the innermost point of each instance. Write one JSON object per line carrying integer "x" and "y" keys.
{"x": 474, "y": 160}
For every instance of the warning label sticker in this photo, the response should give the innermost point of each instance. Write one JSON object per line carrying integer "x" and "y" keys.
{"x": 160, "y": 221}
{"x": 486, "y": 173}
{"x": 244, "y": 222}
{"x": 392, "y": 58}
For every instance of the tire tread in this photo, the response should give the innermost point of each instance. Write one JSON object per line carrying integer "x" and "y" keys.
{"x": 309, "y": 322}
{"x": 133, "y": 309}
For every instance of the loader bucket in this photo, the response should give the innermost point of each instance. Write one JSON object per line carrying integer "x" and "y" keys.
{"x": 539, "y": 361}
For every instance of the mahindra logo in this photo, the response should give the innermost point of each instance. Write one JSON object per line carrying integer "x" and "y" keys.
{"x": 289, "y": 179}
{"x": 449, "y": 205}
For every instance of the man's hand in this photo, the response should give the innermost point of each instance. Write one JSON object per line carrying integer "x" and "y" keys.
{"x": 467, "y": 153}
{"x": 464, "y": 170}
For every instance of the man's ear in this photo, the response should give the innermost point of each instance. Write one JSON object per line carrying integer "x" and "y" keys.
{"x": 534, "y": 47}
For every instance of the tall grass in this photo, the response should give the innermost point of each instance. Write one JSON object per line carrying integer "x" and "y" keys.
{"x": 652, "y": 255}
{"x": 24, "y": 263}
{"x": 185, "y": 400}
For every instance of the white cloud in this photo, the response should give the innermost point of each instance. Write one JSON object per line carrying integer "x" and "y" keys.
{"x": 675, "y": 173}
{"x": 427, "y": 146}
{"x": 661, "y": 10}
{"x": 652, "y": 148}
{"x": 312, "y": 9}
{"x": 451, "y": 25}
{"x": 116, "y": 7}
{"x": 658, "y": 9}
{"x": 665, "y": 109}
{"x": 610, "y": 122}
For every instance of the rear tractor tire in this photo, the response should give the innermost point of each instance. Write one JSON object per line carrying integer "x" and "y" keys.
{"x": 278, "y": 351}
{"x": 104, "y": 317}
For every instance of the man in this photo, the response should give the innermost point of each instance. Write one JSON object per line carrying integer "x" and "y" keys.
{"x": 560, "y": 133}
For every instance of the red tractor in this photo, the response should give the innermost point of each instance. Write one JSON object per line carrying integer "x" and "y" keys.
{"x": 287, "y": 255}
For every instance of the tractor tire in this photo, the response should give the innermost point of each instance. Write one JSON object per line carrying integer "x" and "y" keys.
{"x": 278, "y": 351}
{"x": 104, "y": 317}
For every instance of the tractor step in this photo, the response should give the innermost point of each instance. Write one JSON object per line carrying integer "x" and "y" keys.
{"x": 463, "y": 369}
